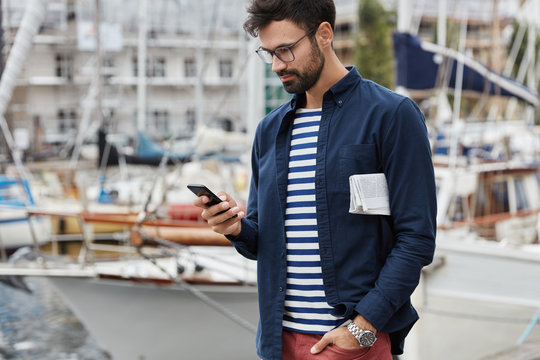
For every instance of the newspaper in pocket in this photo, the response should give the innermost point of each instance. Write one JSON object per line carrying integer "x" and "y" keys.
{"x": 369, "y": 194}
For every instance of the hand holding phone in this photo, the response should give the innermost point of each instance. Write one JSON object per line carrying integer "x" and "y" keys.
{"x": 221, "y": 226}
{"x": 200, "y": 190}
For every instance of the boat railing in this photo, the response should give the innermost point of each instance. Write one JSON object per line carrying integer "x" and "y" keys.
{"x": 139, "y": 230}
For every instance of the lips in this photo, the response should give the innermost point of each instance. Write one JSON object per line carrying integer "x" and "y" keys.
{"x": 286, "y": 78}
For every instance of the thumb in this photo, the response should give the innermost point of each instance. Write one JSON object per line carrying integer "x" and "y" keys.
{"x": 318, "y": 347}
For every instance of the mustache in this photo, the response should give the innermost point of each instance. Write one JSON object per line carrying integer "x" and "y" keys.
{"x": 288, "y": 72}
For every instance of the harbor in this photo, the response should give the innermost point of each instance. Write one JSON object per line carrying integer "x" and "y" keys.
{"x": 110, "y": 108}
{"x": 39, "y": 325}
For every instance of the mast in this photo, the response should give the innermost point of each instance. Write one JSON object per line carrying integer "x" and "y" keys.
{"x": 443, "y": 113}
{"x": 1, "y": 41}
{"x": 458, "y": 91}
{"x": 255, "y": 89}
{"x": 141, "y": 66}
{"x": 32, "y": 19}
{"x": 404, "y": 16}
{"x": 532, "y": 82}
{"x": 404, "y": 26}
{"x": 496, "y": 63}
{"x": 99, "y": 82}
{"x": 441, "y": 24}
{"x": 199, "y": 58}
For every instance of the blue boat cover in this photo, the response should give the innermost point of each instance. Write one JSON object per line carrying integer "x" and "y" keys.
{"x": 417, "y": 69}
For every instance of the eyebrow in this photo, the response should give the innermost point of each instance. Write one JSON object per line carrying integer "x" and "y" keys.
{"x": 289, "y": 44}
{"x": 281, "y": 45}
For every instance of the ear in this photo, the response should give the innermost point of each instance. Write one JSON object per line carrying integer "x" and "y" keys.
{"x": 325, "y": 35}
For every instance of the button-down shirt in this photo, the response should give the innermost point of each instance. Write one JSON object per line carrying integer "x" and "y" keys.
{"x": 370, "y": 263}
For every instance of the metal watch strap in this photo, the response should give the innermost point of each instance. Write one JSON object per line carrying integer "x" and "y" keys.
{"x": 357, "y": 333}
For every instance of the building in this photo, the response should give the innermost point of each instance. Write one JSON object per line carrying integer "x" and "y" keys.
{"x": 58, "y": 92}
{"x": 196, "y": 55}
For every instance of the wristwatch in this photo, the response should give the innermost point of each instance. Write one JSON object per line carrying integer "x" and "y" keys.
{"x": 364, "y": 337}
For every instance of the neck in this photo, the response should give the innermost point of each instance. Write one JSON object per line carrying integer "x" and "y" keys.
{"x": 333, "y": 71}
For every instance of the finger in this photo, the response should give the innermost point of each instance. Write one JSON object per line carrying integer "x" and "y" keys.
{"x": 229, "y": 226}
{"x": 200, "y": 201}
{"x": 323, "y": 343}
{"x": 215, "y": 216}
{"x": 209, "y": 212}
{"x": 226, "y": 197}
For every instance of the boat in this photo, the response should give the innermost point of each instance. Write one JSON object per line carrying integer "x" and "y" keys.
{"x": 162, "y": 286}
{"x": 149, "y": 321}
{"x": 487, "y": 237}
{"x": 15, "y": 231}
{"x": 483, "y": 285}
{"x": 157, "y": 303}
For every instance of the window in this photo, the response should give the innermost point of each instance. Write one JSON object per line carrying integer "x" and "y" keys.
{"x": 67, "y": 120}
{"x": 155, "y": 66}
{"x": 500, "y": 197}
{"x": 190, "y": 120}
{"x": 343, "y": 30}
{"x": 457, "y": 210}
{"x": 134, "y": 66}
{"x": 107, "y": 62}
{"x": 160, "y": 121}
{"x": 110, "y": 120}
{"x": 225, "y": 68}
{"x": 64, "y": 66}
{"x": 492, "y": 198}
{"x": 521, "y": 195}
{"x": 190, "y": 68}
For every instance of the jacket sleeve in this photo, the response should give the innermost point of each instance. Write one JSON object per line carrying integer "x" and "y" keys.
{"x": 406, "y": 158}
{"x": 246, "y": 242}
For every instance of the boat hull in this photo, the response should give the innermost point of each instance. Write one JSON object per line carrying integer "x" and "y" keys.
{"x": 143, "y": 321}
{"x": 476, "y": 299}
{"x": 486, "y": 271}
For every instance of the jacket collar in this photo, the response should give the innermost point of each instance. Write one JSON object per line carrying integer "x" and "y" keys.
{"x": 340, "y": 91}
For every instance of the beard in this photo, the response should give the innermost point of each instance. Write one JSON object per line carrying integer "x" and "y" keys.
{"x": 306, "y": 79}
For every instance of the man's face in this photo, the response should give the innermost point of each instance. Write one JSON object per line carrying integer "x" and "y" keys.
{"x": 305, "y": 70}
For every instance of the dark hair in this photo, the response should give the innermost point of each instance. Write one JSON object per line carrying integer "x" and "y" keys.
{"x": 307, "y": 14}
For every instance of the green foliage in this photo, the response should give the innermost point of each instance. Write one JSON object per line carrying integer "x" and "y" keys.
{"x": 521, "y": 54}
{"x": 374, "y": 55}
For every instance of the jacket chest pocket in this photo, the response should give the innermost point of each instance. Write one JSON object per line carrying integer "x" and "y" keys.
{"x": 357, "y": 159}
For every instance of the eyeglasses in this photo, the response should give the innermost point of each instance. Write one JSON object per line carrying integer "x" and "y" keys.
{"x": 283, "y": 53}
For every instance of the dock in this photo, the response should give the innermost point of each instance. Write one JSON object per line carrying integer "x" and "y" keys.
{"x": 525, "y": 351}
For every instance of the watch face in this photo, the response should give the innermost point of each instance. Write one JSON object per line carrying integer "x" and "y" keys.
{"x": 367, "y": 338}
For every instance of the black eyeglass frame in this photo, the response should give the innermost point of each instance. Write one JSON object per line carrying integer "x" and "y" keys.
{"x": 268, "y": 60}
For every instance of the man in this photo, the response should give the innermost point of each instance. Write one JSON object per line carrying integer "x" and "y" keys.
{"x": 319, "y": 265}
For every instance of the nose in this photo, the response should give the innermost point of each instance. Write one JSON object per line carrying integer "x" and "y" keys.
{"x": 277, "y": 64}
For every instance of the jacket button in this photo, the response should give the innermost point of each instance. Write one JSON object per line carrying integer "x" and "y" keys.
{"x": 282, "y": 255}
{"x": 280, "y": 289}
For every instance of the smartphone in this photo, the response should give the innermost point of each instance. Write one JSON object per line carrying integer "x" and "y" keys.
{"x": 200, "y": 190}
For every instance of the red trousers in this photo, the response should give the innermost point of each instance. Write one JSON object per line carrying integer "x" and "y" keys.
{"x": 297, "y": 346}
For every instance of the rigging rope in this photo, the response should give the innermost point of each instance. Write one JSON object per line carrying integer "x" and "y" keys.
{"x": 192, "y": 289}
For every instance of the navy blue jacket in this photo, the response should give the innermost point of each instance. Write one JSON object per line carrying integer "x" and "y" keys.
{"x": 370, "y": 263}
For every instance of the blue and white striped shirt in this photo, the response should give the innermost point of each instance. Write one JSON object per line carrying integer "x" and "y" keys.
{"x": 306, "y": 309}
